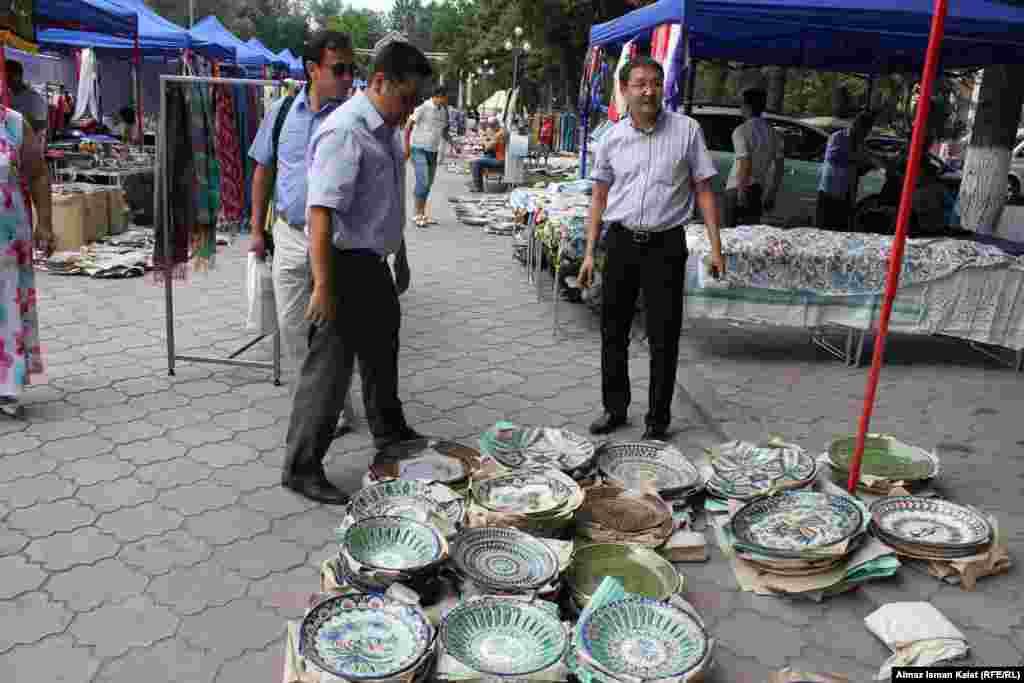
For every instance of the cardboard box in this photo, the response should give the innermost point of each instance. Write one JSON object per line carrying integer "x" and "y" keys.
{"x": 98, "y": 212}
{"x": 118, "y": 207}
{"x": 70, "y": 229}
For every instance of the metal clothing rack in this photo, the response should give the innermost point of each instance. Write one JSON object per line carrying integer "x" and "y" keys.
{"x": 160, "y": 187}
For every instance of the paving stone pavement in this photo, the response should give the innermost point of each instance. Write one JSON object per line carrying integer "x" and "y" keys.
{"x": 144, "y": 537}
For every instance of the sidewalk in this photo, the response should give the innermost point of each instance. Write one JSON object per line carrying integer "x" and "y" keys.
{"x": 144, "y": 537}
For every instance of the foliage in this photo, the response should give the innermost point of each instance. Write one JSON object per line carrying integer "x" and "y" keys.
{"x": 364, "y": 26}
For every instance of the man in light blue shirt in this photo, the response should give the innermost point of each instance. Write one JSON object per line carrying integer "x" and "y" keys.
{"x": 329, "y": 62}
{"x": 356, "y": 219}
{"x": 839, "y": 176}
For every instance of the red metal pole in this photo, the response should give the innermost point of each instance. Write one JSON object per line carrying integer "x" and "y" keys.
{"x": 902, "y": 219}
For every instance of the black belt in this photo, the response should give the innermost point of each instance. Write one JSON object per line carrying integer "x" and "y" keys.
{"x": 363, "y": 252}
{"x": 646, "y": 237}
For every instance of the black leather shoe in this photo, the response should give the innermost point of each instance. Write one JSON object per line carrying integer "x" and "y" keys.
{"x": 406, "y": 433}
{"x": 316, "y": 488}
{"x": 655, "y": 433}
{"x": 342, "y": 430}
{"x": 607, "y": 423}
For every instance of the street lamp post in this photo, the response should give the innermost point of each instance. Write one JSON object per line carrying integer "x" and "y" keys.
{"x": 518, "y": 50}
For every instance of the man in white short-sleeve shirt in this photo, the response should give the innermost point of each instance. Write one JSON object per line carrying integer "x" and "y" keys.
{"x": 757, "y": 171}
{"x": 649, "y": 168}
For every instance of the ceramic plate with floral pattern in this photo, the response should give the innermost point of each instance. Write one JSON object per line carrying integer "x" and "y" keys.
{"x": 796, "y": 522}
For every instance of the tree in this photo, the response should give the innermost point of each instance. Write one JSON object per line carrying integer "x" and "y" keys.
{"x": 365, "y": 27}
{"x": 986, "y": 169}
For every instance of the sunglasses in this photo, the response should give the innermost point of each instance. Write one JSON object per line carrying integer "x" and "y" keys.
{"x": 339, "y": 69}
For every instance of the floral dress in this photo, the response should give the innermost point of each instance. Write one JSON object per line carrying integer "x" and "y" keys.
{"x": 20, "y": 357}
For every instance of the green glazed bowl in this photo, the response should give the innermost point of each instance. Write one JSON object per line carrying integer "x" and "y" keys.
{"x": 642, "y": 571}
{"x": 503, "y": 637}
{"x": 393, "y": 544}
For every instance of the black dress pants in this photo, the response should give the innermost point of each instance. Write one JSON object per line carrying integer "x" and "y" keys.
{"x": 733, "y": 214}
{"x": 366, "y": 327}
{"x": 658, "y": 267}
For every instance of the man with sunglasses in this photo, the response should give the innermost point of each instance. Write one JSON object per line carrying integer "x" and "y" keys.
{"x": 328, "y": 59}
{"x": 356, "y": 219}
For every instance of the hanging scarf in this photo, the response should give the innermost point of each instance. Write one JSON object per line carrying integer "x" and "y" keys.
{"x": 241, "y": 101}
{"x": 179, "y": 171}
{"x": 207, "y": 179}
{"x": 229, "y": 158}
{"x": 619, "y": 107}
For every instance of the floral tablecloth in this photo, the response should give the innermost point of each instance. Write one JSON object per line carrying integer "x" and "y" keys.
{"x": 837, "y": 263}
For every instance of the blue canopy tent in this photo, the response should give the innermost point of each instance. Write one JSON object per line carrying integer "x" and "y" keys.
{"x": 97, "y": 16}
{"x": 157, "y": 36}
{"x": 861, "y": 36}
{"x": 294, "y": 63}
{"x": 273, "y": 59}
{"x": 210, "y": 29}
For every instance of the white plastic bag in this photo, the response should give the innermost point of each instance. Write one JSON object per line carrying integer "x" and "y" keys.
{"x": 262, "y": 316}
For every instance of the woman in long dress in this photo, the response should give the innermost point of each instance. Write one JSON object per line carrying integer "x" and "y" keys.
{"x": 21, "y": 159}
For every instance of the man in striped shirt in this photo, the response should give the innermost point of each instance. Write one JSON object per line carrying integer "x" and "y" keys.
{"x": 648, "y": 170}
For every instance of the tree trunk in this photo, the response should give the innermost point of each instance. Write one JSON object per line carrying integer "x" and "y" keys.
{"x": 776, "y": 89}
{"x": 987, "y": 164}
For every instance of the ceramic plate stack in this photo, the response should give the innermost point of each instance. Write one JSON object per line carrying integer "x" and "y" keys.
{"x": 930, "y": 528}
{"x": 611, "y": 514}
{"x": 504, "y": 561}
{"x": 367, "y": 637}
{"x": 886, "y": 463}
{"x": 639, "y": 639}
{"x": 426, "y": 503}
{"x": 503, "y": 637}
{"x": 447, "y": 462}
{"x": 379, "y": 551}
{"x": 526, "y": 447}
{"x": 642, "y": 572}
{"x": 799, "y": 533}
{"x": 744, "y": 471}
{"x": 541, "y": 501}
{"x": 646, "y": 465}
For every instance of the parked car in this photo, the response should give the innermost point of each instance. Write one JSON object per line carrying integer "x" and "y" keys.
{"x": 805, "y": 152}
{"x": 1015, "y": 190}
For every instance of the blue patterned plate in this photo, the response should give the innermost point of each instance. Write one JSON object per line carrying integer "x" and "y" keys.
{"x": 503, "y": 637}
{"x": 795, "y": 523}
{"x": 643, "y": 638}
{"x": 363, "y": 636}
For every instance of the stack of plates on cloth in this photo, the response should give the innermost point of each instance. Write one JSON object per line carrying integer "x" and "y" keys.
{"x": 886, "y": 464}
{"x": 427, "y": 503}
{"x": 650, "y": 465}
{"x": 611, "y": 514}
{"x": 364, "y": 637}
{"x": 504, "y": 561}
{"x": 799, "y": 533}
{"x": 744, "y": 471}
{"x": 541, "y": 501}
{"x": 447, "y": 462}
{"x": 503, "y": 636}
{"x": 642, "y": 572}
{"x": 930, "y": 528}
{"x": 517, "y": 447}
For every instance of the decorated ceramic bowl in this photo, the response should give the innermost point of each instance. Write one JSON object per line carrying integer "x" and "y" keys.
{"x": 503, "y": 637}
{"x": 797, "y": 522}
{"x": 930, "y": 523}
{"x": 505, "y": 560}
{"x": 363, "y": 637}
{"x": 393, "y": 544}
{"x": 411, "y": 499}
{"x": 529, "y": 492}
{"x": 885, "y": 458}
{"x": 642, "y": 571}
{"x": 641, "y": 465}
{"x": 643, "y": 638}
{"x": 744, "y": 471}
{"x": 538, "y": 447}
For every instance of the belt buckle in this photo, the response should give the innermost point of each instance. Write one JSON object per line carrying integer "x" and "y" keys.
{"x": 641, "y": 236}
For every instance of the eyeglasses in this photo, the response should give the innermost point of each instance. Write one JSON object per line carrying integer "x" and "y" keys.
{"x": 340, "y": 69}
